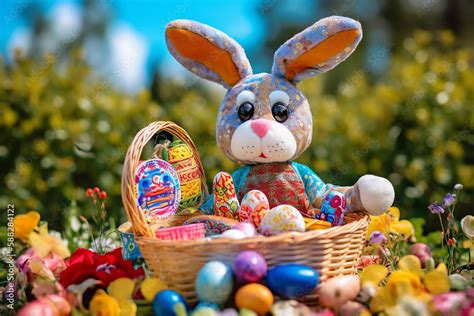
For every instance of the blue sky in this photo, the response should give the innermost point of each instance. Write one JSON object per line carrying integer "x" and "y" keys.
{"x": 143, "y": 19}
{"x": 138, "y": 28}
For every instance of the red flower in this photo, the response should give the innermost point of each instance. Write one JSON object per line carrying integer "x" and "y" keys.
{"x": 96, "y": 190}
{"x": 103, "y": 195}
{"x": 85, "y": 264}
{"x": 89, "y": 192}
{"x": 451, "y": 241}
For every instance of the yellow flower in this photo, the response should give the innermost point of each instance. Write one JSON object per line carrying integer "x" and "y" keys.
{"x": 390, "y": 222}
{"x": 404, "y": 228}
{"x": 25, "y": 223}
{"x": 403, "y": 282}
{"x": 370, "y": 279}
{"x": 104, "y": 305}
{"x": 399, "y": 284}
{"x": 436, "y": 282}
{"x": 122, "y": 290}
{"x": 43, "y": 243}
{"x": 373, "y": 274}
{"x": 410, "y": 263}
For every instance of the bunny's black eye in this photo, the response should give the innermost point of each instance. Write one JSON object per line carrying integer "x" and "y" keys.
{"x": 245, "y": 111}
{"x": 280, "y": 112}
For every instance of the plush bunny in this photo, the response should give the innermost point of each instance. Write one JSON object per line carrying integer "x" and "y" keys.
{"x": 265, "y": 122}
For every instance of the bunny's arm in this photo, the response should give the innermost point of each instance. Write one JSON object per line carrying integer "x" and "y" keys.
{"x": 315, "y": 188}
{"x": 238, "y": 176}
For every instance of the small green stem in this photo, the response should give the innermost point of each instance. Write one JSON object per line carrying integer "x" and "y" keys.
{"x": 442, "y": 228}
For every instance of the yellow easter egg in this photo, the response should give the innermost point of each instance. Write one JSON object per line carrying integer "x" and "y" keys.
{"x": 281, "y": 219}
{"x": 255, "y": 297}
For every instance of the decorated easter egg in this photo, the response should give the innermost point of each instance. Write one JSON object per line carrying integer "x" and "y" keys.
{"x": 338, "y": 290}
{"x": 158, "y": 190}
{"x": 254, "y": 297}
{"x": 292, "y": 280}
{"x": 250, "y": 266}
{"x": 169, "y": 303}
{"x": 247, "y": 228}
{"x": 226, "y": 203}
{"x": 280, "y": 219}
{"x": 214, "y": 282}
{"x": 253, "y": 207}
{"x": 213, "y": 225}
{"x": 333, "y": 208}
{"x": 181, "y": 156}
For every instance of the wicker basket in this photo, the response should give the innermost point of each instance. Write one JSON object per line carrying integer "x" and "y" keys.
{"x": 333, "y": 251}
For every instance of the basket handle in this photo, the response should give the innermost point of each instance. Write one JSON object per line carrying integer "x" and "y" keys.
{"x": 139, "y": 224}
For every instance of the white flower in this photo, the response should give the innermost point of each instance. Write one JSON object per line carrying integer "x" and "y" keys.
{"x": 467, "y": 225}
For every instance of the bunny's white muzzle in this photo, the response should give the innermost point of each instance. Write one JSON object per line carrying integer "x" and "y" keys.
{"x": 263, "y": 141}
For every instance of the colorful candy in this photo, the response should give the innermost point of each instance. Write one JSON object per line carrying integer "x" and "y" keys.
{"x": 250, "y": 266}
{"x": 213, "y": 225}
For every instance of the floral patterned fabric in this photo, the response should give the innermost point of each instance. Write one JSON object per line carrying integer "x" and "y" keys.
{"x": 308, "y": 188}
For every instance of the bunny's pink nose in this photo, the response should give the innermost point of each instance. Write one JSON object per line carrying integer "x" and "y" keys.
{"x": 260, "y": 127}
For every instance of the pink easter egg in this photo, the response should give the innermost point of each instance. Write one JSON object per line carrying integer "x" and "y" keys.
{"x": 247, "y": 228}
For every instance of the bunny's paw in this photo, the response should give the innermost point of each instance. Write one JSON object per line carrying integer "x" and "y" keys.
{"x": 376, "y": 194}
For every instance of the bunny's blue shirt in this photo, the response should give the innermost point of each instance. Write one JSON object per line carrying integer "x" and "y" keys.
{"x": 315, "y": 188}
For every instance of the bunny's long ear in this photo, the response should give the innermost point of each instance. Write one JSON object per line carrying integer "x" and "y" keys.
{"x": 317, "y": 49}
{"x": 207, "y": 52}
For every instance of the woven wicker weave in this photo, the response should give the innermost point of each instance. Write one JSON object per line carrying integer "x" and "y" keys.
{"x": 333, "y": 251}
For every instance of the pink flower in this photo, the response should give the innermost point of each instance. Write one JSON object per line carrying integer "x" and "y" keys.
{"x": 43, "y": 287}
{"x": 51, "y": 305}
{"x": 48, "y": 267}
{"x": 368, "y": 260}
{"x": 448, "y": 303}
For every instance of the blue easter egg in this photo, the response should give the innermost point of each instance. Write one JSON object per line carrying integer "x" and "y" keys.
{"x": 292, "y": 281}
{"x": 214, "y": 283}
{"x": 169, "y": 303}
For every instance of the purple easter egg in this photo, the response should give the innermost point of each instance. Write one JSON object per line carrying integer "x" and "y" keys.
{"x": 250, "y": 266}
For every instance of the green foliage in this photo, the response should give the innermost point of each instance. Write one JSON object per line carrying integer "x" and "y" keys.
{"x": 65, "y": 130}
{"x": 413, "y": 126}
